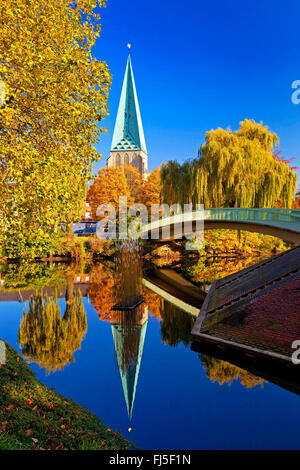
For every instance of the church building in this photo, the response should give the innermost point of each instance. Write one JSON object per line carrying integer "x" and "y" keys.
{"x": 128, "y": 144}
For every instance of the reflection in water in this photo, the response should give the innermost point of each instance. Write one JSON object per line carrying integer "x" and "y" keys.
{"x": 205, "y": 271}
{"x": 129, "y": 330}
{"x": 225, "y": 372}
{"x": 48, "y": 338}
{"x": 154, "y": 302}
{"x": 51, "y": 339}
{"x": 129, "y": 274}
{"x": 101, "y": 290}
{"x": 176, "y": 325}
{"x": 129, "y": 324}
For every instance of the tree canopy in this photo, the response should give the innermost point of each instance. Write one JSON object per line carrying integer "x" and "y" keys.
{"x": 124, "y": 181}
{"x": 56, "y": 93}
{"x": 234, "y": 169}
{"x": 109, "y": 185}
{"x": 151, "y": 189}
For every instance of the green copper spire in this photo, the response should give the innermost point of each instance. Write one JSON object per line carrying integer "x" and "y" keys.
{"x": 128, "y": 132}
{"x": 129, "y": 374}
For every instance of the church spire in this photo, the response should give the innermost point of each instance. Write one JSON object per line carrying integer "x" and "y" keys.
{"x": 128, "y": 133}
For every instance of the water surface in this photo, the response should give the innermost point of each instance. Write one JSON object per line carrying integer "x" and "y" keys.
{"x": 177, "y": 398}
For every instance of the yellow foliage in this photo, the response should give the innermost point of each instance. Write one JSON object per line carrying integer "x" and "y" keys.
{"x": 109, "y": 185}
{"x": 48, "y": 338}
{"x": 225, "y": 373}
{"x": 56, "y": 93}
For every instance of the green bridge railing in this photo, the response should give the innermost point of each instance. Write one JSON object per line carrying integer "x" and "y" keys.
{"x": 286, "y": 219}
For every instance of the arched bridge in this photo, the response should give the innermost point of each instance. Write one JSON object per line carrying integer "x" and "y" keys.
{"x": 282, "y": 223}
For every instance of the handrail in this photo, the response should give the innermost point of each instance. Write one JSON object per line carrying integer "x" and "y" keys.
{"x": 280, "y": 218}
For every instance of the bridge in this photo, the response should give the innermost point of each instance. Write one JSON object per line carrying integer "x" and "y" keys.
{"x": 281, "y": 223}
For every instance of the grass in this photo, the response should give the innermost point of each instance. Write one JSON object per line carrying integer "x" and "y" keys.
{"x": 33, "y": 417}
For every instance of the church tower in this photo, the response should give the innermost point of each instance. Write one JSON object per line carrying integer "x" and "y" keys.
{"x": 128, "y": 144}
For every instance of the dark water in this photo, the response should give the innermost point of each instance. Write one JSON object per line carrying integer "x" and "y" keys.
{"x": 175, "y": 396}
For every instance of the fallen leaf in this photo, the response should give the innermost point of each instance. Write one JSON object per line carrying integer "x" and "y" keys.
{"x": 9, "y": 407}
{"x": 3, "y": 426}
{"x": 34, "y": 440}
{"x": 28, "y": 432}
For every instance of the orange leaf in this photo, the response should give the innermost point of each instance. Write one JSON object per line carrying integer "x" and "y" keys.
{"x": 3, "y": 426}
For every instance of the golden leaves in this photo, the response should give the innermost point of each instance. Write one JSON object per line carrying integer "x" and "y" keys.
{"x": 235, "y": 169}
{"x": 56, "y": 92}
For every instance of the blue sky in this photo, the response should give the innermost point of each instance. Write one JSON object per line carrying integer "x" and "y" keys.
{"x": 203, "y": 65}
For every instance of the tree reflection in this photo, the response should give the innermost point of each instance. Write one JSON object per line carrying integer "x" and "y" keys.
{"x": 101, "y": 290}
{"x": 176, "y": 325}
{"x": 225, "y": 373}
{"x": 45, "y": 336}
{"x": 154, "y": 302}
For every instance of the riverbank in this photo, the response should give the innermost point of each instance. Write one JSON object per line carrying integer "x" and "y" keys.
{"x": 70, "y": 249}
{"x": 33, "y": 417}
{"x": 217, "y": 242}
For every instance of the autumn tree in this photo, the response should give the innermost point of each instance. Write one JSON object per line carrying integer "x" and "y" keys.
{"x": 109, "y": 185}
{"x": 296, "y": 203}
{"x": 56, "y": 94}
{"x": 234, "y": 169}
{"x": 277, "y": 155}
{"x": 178, "y": 182}
{"x": 151, "y": 189}
{"x": 134, "y": 181}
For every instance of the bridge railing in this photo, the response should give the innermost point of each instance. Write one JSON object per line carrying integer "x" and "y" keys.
{"x": 281, "y": 218}
{"x": 245, "y": 214}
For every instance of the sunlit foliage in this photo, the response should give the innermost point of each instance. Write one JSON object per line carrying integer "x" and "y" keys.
{"x": 134, "y": 181}
{"x": 56, "y": 94}
{"x": 151, "y": 189}
{"x": 234, "y": 169}
{"x": 109, "y": 185}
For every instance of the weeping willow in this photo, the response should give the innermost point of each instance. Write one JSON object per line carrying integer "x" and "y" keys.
{"x": 178, "y": 182}
{"x": 48, "y": 338}
{"x": 234, "y": 169}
